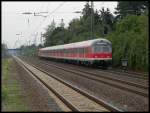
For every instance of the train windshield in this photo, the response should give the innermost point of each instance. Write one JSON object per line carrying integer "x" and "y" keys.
{"x": 102, "y": 48}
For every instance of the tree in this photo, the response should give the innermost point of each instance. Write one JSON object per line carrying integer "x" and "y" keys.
{"x": 130, "y": 7}
{"x": 130, "y": 40}
{"x": 107, "y": 20}
{"x": 86, "y": 10}
{"x": 48, "y": 33}
{"x": 62, "y": 24}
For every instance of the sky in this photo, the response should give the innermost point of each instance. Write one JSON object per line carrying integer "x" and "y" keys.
{"x": 19, "y": 29}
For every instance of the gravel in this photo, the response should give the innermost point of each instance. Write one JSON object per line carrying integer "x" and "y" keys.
{"x": 117, "y": 97}
{"x": 34, "y": 95}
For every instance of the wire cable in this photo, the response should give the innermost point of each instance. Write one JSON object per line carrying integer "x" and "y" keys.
{"x": 48, "y": 16}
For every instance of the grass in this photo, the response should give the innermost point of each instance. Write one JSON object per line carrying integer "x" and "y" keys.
{"x": 5, "y": 64}
{"x": 11, "y": 90}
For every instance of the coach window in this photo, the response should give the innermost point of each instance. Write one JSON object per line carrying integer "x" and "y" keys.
{"x": 68, "y": 51}
{"x": 79, "y": 50}
{"x": 86, "y": 50}
{"x": 57, "y": 51}
{"x": 82, "y": 50}
{"x": 74, "y": 50}
{"x": 64, "y": 51}
{"x": 71, "y": 50}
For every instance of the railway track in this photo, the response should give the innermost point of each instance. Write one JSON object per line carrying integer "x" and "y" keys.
{"x": 127, "y": 73}
{"x": 123, "y": 85}
{"x": 102, "y": 75}
{"x": 76, "y": 99}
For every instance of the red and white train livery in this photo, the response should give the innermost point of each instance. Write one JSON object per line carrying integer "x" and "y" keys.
{"x": 96, "y": 51}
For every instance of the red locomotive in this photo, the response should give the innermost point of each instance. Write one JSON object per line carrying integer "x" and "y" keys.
{"x": 90, "y": 52}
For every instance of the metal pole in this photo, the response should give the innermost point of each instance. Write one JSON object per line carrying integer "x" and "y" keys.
{"x": 92, "y": 19}
{"x": 41, "y": 38}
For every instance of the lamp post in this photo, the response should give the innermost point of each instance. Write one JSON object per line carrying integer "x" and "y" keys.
{"x": 19, "y": 34}
{"x": 124, "y": 63}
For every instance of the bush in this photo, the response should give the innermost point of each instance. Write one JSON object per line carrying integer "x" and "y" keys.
{"x": 4, "y": 93}
{"x": 130, "y": 40}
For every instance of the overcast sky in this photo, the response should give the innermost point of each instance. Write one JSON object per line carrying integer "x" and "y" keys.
{"x": 29, "y": 26}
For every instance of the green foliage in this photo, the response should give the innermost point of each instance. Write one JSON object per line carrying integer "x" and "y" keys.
{"x": 48, "y": 33}
{"x": 130, "y": 40}
{"x": 125, "y": 8}
{"x": 10, "y": 90}
{"x": 29, "y": 50}
{"x": 80, "y": 29}
{"x": 5, "y": 65}
{"x": 86, "y": 10}
{"x": 129, "y": 34}
{"x": 4, "y": 93}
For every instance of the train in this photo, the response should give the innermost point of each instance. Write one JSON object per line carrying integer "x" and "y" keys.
{"x": 95, "y": 52}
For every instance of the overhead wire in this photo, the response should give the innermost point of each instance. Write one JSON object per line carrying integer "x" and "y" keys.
{"x": 35, "y": 22}
{"x": 46, "y": 18}
{"x": 42, "y": 7}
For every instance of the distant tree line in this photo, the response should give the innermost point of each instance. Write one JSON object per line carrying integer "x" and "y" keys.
{"x": 4, "y": 50}
{"x": 30, "y": 50}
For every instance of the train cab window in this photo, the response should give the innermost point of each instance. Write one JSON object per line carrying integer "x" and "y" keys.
{"x": 97, "y": 48}
{"x": 106, "y": 48}
{"x": 102, "y": 48}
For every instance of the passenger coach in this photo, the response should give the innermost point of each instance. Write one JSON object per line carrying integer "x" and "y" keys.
{"x": 90, "y": 52}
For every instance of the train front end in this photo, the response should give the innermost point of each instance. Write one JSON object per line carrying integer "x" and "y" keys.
{"x": 102, "y": 53}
